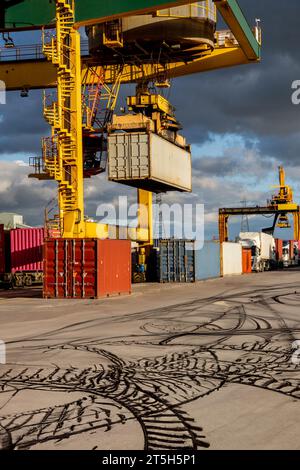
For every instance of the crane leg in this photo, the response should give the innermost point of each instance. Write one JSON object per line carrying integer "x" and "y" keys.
{"x": 145, "y": 218}
{"x": 297, "y": 225}
{"x": 223, "y": 228}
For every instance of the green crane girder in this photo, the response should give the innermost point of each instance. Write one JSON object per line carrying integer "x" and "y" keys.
{"x": 26, "y": 14}
{"x": 235, "y": 19}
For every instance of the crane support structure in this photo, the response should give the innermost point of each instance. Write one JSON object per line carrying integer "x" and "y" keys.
{"x": 235, "y": 19}
{"x": 17, "y": 74}
{"x": 65, "y": 68}
{"x": 35, "y": 14}
{"x": 30, "y": 14}
{"x": 36, "y": 73}
{"x": 277, "y": 211}
{"x": 281, "y": 205}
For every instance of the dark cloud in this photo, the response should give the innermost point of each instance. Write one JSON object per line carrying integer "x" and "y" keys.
{"x": 22, "y": 124}
{"x": 250, "y": 100}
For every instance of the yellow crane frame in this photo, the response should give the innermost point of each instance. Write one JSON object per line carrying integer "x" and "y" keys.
{"x": 64, "y": 70}
{"x": 281, "y": 205}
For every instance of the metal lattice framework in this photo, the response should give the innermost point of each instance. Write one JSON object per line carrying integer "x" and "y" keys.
{"x": 73, "y": 116}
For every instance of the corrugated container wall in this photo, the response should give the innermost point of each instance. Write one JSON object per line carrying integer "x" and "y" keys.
{"x": 231, "y": 259}
{"x": 207, "y": 261}
{"x": 147, "y": 161}
{"x": 2, "y": 249}
{"x": 88, "y": 268}
{"x": 26, "y": 249}
{"x": 172, "y": 261}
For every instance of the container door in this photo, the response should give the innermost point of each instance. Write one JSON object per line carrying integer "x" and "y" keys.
{"x": 62, "y": 268}
{"x": 89, "y": 268}
{"x": 54, "y": 269}
{"x": 247, "y": 261}
{"x": 80, "y": 268}
{"x": 139, "y": 156}
{"x": 166, "y": 261}
{"x": 180, "y": 262}
{"x": 190, "y": 275}
{"x": 177, "y": 261}
{"x": 114, "y": 267}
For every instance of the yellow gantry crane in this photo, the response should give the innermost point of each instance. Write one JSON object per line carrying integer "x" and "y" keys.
{"x": 281, "y": 206}
{"x": 73, "y": 117}
{"x": 71, "y": 122}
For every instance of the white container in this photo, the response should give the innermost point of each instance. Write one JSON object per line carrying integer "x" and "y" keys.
{"x": 231, "y": 259}
{"x": 11, "y": 220}
{"x": 261, "y": 240}
{"x": 147, "y": 161}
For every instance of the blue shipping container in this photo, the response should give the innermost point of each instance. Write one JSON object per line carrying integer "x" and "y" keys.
{"x": 172, "y": 261}
{"x": 207, "y": 261}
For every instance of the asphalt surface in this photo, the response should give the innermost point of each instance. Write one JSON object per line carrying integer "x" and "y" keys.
{"x": 202, "y": 366}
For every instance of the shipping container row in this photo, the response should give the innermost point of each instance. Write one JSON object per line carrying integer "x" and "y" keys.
{"x": 80, "y": 269}
{"x": 185, "y": 261}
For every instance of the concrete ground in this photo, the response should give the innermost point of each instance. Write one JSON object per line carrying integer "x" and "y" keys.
{"x": 200, "y": 366}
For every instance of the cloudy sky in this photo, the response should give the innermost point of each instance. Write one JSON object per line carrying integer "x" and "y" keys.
{"x": 241, "y": 123}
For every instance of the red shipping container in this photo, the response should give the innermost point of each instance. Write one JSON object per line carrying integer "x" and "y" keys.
{"x": 88, "y": 268}
{"x": 2, "y": 249}
{"x": 279, "y": 249}
{"x": 247, "y": 261}
{"x": 26, "y": 249}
